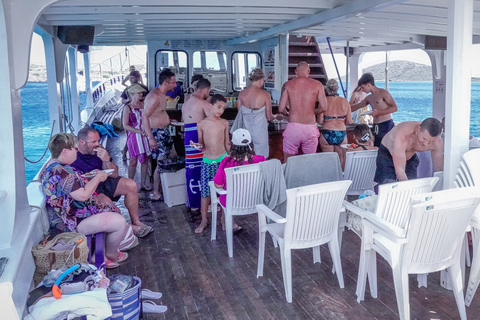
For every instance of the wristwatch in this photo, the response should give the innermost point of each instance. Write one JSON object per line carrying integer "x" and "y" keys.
{"x": 110, "y": 160}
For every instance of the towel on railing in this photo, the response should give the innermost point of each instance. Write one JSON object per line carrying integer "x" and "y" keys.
{"x": 275, "y": 190}
{"x": 105, "y": 129}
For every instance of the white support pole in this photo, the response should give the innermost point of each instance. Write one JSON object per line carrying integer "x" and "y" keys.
{"x": 7, "y": 132}
{"x": 458, "y": 85}
{"x": 56, "y": 122}
{"x": 88, "y": 82}
{"x": 437, "y": 58}
{"x": 354, "y": 63}
{"x": 74, "y": 99}
{"x": 283, "y": 58}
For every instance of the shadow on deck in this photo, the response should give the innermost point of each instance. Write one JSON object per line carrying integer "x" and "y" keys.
{"x": 199, "y": 281}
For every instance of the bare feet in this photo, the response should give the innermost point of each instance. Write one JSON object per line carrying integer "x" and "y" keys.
{"x": 201, "y": 227}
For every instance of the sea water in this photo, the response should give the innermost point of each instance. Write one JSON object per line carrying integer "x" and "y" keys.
{"x": 414, "y": 100}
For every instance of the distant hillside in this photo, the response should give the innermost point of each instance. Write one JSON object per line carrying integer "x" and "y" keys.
{"x": 400, "y": 70}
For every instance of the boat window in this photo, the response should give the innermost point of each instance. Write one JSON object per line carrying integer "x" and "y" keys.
{"x": 213, "y": 66}
{"x": 242, "y": 64}
{"x": 174, "y": 60}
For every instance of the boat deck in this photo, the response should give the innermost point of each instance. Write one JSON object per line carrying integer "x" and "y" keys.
{"x": 199, "y": 281}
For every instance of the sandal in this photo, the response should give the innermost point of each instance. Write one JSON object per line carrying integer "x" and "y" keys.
{"x": 149, "y": 294}
{"x": 143, "y": 231}
{"x": 110, "y": 264}
{"x": 130, "y": 241}
{"x": 149, "y": 306}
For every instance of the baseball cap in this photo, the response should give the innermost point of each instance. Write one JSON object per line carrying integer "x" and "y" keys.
{"x": 241, "y": 137}
{"x": 135, "y": 88}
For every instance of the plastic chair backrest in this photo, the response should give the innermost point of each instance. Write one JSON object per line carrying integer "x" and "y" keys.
{"x": 393, "y": 204}
{"x": 437, "y": 228}
{"x": 360, "y": 167}
{"x": 471, "y": 160}
{"x": 313, "y": 213}
{"x": 244, "y": 188}
{"x": 307, "y": 169}
{"x": 439, "y": 184}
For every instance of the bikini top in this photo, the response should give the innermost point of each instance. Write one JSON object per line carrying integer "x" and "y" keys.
{"x": 334, "y": 117}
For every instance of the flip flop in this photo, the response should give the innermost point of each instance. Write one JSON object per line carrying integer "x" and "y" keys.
{"x": 110, "y": 264}
{"x": 143, "y": 231}
{"x": 149, "y": 306}
{"x": 149, "y": 294}
{"x": 237, "y": 230}
{"x": 157, "y": 200}
{"x": 146, "y": 189}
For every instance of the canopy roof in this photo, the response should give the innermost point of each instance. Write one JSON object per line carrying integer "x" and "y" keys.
{"x": 365, "y": 23}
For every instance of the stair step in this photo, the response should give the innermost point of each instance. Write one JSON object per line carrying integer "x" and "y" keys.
{"x": 314, "y": 76}
{"x": 303, "y": 54}
{"x": 312, "y": 65}
{"x": 302, "y": 44}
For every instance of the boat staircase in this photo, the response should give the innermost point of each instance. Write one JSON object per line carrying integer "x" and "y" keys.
{"x": 306, "y": 49}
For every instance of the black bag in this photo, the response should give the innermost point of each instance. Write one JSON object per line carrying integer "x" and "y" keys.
{"x": 172, "y": 164}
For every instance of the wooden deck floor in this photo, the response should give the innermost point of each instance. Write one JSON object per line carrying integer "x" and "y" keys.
{"x": 199, "y": 281}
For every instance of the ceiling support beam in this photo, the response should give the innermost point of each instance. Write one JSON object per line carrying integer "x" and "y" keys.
{"x": 347, "y": 10}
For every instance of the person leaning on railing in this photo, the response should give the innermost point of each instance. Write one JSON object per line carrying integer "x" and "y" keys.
{"x": 74, "y": 206}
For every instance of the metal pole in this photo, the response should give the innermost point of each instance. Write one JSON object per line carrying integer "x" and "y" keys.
{"x": 386, "y": 70}
{"x": 336, "y": 68}
{"x": 346, "y": 71}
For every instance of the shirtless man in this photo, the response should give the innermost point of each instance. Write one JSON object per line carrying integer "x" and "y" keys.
{"x": 382, "y": 104}
{"x": 194, "y": 110}
{"x": 397, "y": 159}
{"x": 255, "y": 109}
{"x": 301, "y": 95}
{"x": 155, "y": 121}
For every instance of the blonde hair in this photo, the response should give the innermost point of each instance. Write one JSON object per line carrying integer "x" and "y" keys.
{"x": 61, "y": 141}
{"x": 256, "y": 74}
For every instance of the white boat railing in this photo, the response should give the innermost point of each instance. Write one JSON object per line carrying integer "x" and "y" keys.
{"x": 102, "y": 88}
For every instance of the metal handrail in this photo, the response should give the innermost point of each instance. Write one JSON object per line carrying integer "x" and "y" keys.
{"x": 336, "y": 68}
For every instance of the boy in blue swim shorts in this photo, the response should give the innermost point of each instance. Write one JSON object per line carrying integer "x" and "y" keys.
{"x": 214, "y": 141}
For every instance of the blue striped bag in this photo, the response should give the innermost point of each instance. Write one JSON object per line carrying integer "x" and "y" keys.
{"x": 127, "y": 305}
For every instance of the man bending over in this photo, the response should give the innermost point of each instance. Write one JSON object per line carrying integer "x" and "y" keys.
{"x": 397, "y": 159}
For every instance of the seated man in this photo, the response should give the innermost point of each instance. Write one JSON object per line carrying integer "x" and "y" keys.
{"x": 397, "y": 159}
{"x": 92, "y": 156}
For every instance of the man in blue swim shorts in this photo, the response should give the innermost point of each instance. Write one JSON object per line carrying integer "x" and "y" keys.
{"x": 382, "y": 104}
{"x": 156, "y": 121}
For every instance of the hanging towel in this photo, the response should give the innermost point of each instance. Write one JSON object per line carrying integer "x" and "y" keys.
{"x": 274, "y": 191}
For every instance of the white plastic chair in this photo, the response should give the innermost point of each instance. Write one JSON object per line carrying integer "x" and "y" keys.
{"x": 312, "y": 220}
{"x": 430, "y": 242}
{"x": 313, "y": 168}
{"x": 360, "y": 167}
{"x": 393, "y": 209}
{"x": 244, "y": 192}
{"x": 469, "y": 172}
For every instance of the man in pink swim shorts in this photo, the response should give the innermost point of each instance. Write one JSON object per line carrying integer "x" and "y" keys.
{"x": 300, "y": 136}
{"x": 301, "y": 95}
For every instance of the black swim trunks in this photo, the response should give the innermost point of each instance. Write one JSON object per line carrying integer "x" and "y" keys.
{"x": 385, "y": 172}
{"x": 108, "y": 188}
{"x": 381, "y": 129}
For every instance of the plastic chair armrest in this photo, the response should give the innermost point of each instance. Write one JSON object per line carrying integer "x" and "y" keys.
{"x": 353, "y": 208}
{"x": 270, "y": 214}
{"x": 386, "y": 229}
